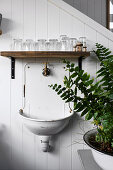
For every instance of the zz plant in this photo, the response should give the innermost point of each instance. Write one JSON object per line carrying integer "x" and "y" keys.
{"x": 97, "y": 96}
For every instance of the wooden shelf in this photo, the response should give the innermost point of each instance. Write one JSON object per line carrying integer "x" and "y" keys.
{"x": 44, "y": 54}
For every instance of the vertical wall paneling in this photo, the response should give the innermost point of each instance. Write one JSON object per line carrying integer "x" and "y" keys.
{"x": 77, "y": 28}
{"x": 29, "y": 19}
{"x": 65, "y": 23}
{"x": 41, "y": 19}
{"x": 84, "y": 7}
{"x": 54, "y": 32}
{"x": 92, "y": 8}
{"x": 98, "y": 9}
{"x": 16, "y": 89}
{"x": 53, "y": 17}
{"x": 5, "y": 119}
{"x": 101, "y": 39}
{"x": 41, "y": 32}
{"x": 90, "y": 39}
{"x": 34, "y": 19}
{"x": 70, "y": 2}
{"x": 29, "y": 33}
{"x": 77, "y": 4}
{"x": 103, "y": 4}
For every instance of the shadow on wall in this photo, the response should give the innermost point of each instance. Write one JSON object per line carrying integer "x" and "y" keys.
{"x": 4, "y": 149}
{"x": 8, "y": 25}
{"x": 6, "y": 153}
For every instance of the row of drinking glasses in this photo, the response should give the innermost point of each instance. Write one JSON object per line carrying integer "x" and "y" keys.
{"x": 64, "y": 44}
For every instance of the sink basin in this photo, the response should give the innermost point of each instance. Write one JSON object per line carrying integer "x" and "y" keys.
{"x": 44, "y": 128}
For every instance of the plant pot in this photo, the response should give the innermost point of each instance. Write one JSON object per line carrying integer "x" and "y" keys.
{"x": 103, "y": 159}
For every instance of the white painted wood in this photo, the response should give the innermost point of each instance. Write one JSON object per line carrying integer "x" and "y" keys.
{"x": 65, "y": 23}
{"x": 29, "y": 30}
{"x": 41, "y": 19}
{"x": 91, "y": 8}
{"x": 5, "y": 85}
{"x": 77, "y": 28}
{"x": 29, "y": 19}
{"x": 90, "y": 39}
{"x": 16, "y": 90}
{"x": 53, "y": 21}
{"x": 88, "y": 21}
{"x": 102, "y": 39}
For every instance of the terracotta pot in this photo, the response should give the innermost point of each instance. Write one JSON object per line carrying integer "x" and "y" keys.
{"x": 103, "y": 159}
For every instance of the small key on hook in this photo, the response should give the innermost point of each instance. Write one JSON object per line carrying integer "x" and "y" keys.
{"x": 46, "y": 70}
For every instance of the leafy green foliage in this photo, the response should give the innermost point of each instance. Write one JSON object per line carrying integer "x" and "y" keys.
{"x": 97, "y": 100}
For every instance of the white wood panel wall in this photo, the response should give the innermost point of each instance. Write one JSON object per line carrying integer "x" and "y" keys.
{"x": 95, "y": 9}
{"x": 19, "y": 148}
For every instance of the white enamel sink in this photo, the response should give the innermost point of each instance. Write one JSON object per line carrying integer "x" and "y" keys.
{"x": 44, "y": 128}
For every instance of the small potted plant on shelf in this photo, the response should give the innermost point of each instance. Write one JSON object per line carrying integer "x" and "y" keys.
{"x": 96, "y": 103}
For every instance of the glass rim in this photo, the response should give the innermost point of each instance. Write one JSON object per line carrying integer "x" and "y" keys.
{"x": 17, "y": 39}
{"x": 82, "y": 37}
{"x": 53, "y": 39}
{"x": 41, "y": 40}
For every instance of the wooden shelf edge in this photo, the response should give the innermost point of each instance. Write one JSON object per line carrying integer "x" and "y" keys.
{"x": 44, "y": 54}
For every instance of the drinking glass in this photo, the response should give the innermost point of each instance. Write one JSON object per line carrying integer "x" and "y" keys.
{"x": 83, "y": 41}
{"x": 65, "y": 43}
{"x": 42, "y": 44}
{"x": 62, "y": 37}
{"x": 53, "y": 44}
{"x": 73, "y": 42}
{"x": 16, "y": 45}
{"x": 47, "y": 46}
{"x": 36, "y": 46}
{"x": 29, "y": 45}
{"x": 58, "y": 46}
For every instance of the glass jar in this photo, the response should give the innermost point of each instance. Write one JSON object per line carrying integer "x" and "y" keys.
{"x": 42, "y": 44}
{"x": 62, "y": 37}
{"x": 58, "y": 46}
{"x": 53, "y": 44}
{"x": 47, "y": 46}
{"x": 83, "y": 41}
{"x": 73, "y": 42}
{"x": 36, "y": 46}
{"x": 16, "y": 45}
{"x": 29, "y": 45}
{"x": 65, "y": 44}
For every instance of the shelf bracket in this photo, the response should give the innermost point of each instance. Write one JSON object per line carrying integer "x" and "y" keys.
{"x": 80, "y": 62}
{"x": 12, "y": 68}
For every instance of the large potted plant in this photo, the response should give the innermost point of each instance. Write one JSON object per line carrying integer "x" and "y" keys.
{"x": 96, "y": 103}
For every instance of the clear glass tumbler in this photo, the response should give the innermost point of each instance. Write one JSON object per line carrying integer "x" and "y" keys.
{"x": 29, "y": 45}
{"x": 16, "y": 45}
{"x": 73, "y": 42}
{"x": 47, "y": 46}
{"x": 62, "y": 37}
{"x": 53, "y": 44}
{"x": 36, "y": 46}
{"x": 65, "y": 44}
{"x": 58, "y": 46}
{"x": 83, "y": 41}
{"x": 42, "y": 44}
